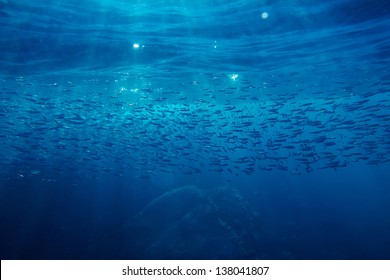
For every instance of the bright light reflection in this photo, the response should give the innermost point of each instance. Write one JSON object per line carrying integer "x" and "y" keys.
{"x": 233, "y": 77}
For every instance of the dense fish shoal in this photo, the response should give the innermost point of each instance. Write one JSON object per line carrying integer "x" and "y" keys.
{"x": 212, "y": 124}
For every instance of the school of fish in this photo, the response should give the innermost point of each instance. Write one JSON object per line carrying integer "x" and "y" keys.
{"x": 213, "y": 123}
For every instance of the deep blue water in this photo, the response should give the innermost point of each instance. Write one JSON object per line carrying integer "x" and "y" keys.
{"x": 194, "y": 129}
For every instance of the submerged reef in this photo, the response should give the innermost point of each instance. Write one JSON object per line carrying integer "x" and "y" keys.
{"x": 191, "y": 222}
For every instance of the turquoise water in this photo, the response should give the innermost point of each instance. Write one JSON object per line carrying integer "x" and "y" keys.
{"x": 259, "y": 129}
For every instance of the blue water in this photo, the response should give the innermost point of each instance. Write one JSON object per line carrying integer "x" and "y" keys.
{"x": 194, "y": 129}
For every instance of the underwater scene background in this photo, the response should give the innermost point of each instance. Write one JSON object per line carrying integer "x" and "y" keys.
{"x": 194, "y": 129}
